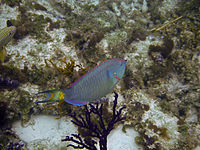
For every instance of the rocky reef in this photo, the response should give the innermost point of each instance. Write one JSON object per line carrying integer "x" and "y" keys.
{"x": 58, "y": 41}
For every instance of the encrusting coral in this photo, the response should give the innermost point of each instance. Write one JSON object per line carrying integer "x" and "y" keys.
{"x": 99, "y": 129}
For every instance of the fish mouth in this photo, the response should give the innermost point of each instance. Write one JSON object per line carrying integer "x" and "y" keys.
{"x": 123, "y": 62}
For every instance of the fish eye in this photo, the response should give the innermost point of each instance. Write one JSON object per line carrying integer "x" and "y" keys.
{"x": 114, "y": 72}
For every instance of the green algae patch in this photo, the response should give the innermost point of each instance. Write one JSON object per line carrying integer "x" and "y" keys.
{"x": 37, "y": 6}
{"x": 12, "y": 3}
{"x": 31, "y": 24}
{"x": 19, "y": 102}
{"x": 13, "y": 72}
{"x": 40, "y": 76}
{"x": 84, "y": 38}
{"x": 163, "y": 51}
{"x": 185, "y": 67}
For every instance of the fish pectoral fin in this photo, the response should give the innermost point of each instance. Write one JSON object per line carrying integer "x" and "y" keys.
{"x": 2, "y": 54}
{"x": 110, "y": 74}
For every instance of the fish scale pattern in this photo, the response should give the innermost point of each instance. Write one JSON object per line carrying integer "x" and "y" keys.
{"x": 98, "y": 82}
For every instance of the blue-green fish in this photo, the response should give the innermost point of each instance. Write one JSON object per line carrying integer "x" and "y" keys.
{"x": 92, "y": 86}
{"x": 6, "y": 35}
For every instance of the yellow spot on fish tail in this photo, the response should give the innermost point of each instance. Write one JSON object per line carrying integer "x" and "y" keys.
{"x": 61, "y": 97}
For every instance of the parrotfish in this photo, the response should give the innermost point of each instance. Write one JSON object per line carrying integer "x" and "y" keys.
{"x": 6, "y": 35}
{"x": 92, "y": 86}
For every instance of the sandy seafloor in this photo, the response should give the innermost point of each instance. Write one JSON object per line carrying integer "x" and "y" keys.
{"x": 58, "y": 41}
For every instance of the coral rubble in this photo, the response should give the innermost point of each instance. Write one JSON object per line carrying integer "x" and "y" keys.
{"x": 15, "y": 146}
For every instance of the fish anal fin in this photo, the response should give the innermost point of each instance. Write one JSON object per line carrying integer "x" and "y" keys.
{"x": 75, "y": 102}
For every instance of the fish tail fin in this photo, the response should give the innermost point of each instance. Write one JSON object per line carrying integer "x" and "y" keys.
{"x": 2, "y": 54}
{"x": 52, "y": 96}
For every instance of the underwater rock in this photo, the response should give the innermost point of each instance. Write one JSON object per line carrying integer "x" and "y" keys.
{"x": 44, "y": 132}
{"x": 126, "y": 140}
{"x": 154, "y": 126}
{"x": 84, "y": 39}
{"x": 8, "y": 83}
{"x": 15, "y": 146}
{"x": 3, "y": 114}
{"x": 158, "y": 53}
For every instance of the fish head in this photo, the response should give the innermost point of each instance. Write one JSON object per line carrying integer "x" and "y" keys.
{"x": 11, "y": 31}
{"x": 117, "y": 69}
{"x": 6, "y": 34}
